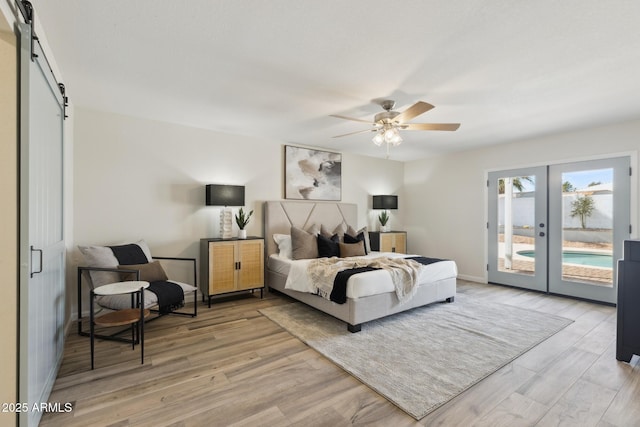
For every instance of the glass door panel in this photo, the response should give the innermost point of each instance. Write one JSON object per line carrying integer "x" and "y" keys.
{"x": 517, "y": 220}
{"x": 587, "y": 226}
{"x": 590, "y": 204}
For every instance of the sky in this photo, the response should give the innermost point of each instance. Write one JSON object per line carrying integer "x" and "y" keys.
{"x": 580, "y": 179}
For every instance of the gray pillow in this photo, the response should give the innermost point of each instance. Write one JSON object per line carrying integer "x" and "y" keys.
{"x": 102, "y": 256}
{"x": 325, "y": 232}
{"x": 313, "y": 229}
{"x": 340, "y": 230}
{"x": 304, "y": 245}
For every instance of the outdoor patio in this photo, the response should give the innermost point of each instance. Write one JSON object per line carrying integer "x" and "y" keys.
{"x": 600, "y": 276}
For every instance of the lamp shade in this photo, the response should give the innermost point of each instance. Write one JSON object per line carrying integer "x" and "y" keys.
{"x": 225, "y": 195}
{"x": 385, "y": 202}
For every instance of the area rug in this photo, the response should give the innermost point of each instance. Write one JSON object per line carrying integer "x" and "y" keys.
{"x": 422, "y": 358}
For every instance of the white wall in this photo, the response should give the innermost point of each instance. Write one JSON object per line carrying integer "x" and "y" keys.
{"x": 137, "y": 178}
{"x": 523, "y": 211}
{"x": 445, "y": 197}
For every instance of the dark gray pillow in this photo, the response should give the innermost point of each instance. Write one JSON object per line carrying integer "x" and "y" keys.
{"x": 328, "y": 248}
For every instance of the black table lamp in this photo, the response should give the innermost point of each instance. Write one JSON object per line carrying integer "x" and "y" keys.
{"x": 385, "y": 203}
{"x": 225, "y": 195}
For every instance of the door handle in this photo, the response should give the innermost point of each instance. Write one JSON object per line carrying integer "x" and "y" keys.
{"x": 32, "y": 251}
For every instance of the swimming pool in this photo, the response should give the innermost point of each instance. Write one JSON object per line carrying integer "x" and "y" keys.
{"x": 593, "y": 259}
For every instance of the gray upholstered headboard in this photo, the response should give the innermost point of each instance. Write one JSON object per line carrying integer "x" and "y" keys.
{"x": 279, "y": 216}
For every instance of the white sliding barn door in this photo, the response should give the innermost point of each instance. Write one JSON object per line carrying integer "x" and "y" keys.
{"x": 42, "y": 249}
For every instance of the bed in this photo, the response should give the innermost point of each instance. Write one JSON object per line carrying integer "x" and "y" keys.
{"x": 436, "y": 283}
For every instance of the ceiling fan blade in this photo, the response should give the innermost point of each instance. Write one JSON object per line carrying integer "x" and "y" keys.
{"x": 415, "y": 110}
{"x": 431, "y": 126}
{"x": 354, "y": 133}
{"x": 351, "y": 118}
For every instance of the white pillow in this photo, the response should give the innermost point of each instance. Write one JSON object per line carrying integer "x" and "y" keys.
{"x": 285, "y": 249}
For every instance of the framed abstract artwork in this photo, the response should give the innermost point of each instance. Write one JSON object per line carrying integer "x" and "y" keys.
{"x": 312, "y": 174}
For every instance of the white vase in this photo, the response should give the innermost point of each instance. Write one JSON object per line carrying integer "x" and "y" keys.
{"x": 242, "y": 234}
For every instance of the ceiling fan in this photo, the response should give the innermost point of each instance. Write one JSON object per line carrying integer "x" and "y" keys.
{"x": 388, "y": 123}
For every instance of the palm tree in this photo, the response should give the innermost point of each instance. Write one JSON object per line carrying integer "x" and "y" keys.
{"x": 516, "y": 181}
{"x": 583, "y": 207}
{"x": 567, "y": 187}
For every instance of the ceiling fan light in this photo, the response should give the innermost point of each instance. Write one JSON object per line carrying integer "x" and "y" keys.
{"x": 397, "y": 140}
{"x": 390, "y": 134}
{"x": 378, "y": 139}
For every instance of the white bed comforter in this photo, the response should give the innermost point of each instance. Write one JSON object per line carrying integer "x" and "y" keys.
{"x": 364, "y": 284}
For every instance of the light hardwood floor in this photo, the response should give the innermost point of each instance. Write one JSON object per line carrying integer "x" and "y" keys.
{"x": 231, "y": 366}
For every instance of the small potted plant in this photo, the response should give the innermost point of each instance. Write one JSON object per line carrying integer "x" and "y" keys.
{"x": 383, "y": 218}
{"x": 242, "y": 220}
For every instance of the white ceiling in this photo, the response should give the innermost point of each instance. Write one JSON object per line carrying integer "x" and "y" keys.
{"x": 506, "y": 70}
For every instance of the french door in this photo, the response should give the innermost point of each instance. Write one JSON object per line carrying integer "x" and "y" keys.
{"x": 518, "y": 223}
{"x": 560, "y": 228}
{"x": 42, "y": 248}
{"x": 589, "y": 211}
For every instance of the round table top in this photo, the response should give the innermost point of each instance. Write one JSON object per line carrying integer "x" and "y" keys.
{"x": 119, "y": 288}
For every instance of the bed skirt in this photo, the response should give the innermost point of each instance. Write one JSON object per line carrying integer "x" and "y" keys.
{"x": 357, "y": 311}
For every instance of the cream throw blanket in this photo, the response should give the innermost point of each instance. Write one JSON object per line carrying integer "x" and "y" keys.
{"x": 404, "y": 273}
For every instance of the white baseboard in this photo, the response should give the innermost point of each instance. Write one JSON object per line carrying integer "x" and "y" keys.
{"x": 472, "y": 278}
